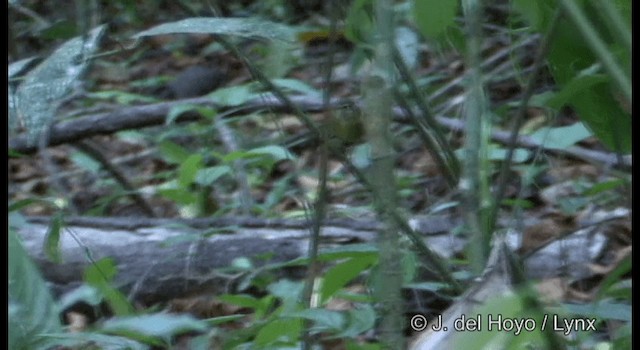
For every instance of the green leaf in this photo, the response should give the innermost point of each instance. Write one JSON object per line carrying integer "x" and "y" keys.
{"x": 189, "y": 169}
{"x": 244, "y": 27}
{"x": 172, "y": 152}
{"x": 52, "y": 239}
{"x": 604, "y": 186}
{"x": 178, "y": 110}
{"x": 561, "y": 137}
{"x": 86, "y": 162}
{"x": 572, "y": 90}
{"x": 569, "y": 57}
{"x": 100, "y": 275}
{"x": 179, "y": 195}
{"x": 88, "y": 340}
{"x": 209, "y": 175}
{"x": 43, "y": 88}
{"x": 32, "y": 311}
{"x": 324, "y": 320}
{"x": 121, "y": 97}
{"x": 279, "y": 331}
{"x": 160, "y": 325}
{"x": 261, "y": 306}
{"x": 278, "y": 153}
{"x": 339, "y": 275}
{"x": 434, "y": 16}
{"x": 623, "y": 267}
{"x": 605, "y": 310}
{"x": 84, "y": 293}
{"x": 234, "y": 95}
{"x": 295, "y": 85}
{"x": 497, "y": 153}
{"x": 361, "y": 319}
{"x": 359, "y": 21}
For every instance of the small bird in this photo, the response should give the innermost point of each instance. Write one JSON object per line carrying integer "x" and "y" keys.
{"x": 194, "y": 81}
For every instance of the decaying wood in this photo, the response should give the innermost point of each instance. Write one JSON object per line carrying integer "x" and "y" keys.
{"x": 159, "y": 259}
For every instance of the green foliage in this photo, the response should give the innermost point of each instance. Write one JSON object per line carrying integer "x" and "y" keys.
{"x": 577, "y": 66}
{"x": 244, "y": 27}
{"x": 155, "y": 329}
{"x": 433, "y": 17}
{"x": 39, "y": 95}
{"x": 507, "y": 307}
{"x": 32, "y": 311}
{"x": 52, "y": 239}
{"x": 561, "y": 137}
{"x": 100, "y": 275}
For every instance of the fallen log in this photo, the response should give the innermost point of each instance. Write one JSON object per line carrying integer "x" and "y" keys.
{"x": 161, "y": 259}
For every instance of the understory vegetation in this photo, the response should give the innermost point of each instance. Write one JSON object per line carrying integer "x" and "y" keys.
{"x": 319, "y": 174}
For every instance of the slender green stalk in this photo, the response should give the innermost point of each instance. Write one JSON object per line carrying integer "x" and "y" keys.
{"x": 377, "y": 88}
{"x": 473, "y": 182}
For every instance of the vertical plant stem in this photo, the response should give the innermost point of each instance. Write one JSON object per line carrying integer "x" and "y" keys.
{"x": 474, "y": 173}
{"x": 377, "y": 89}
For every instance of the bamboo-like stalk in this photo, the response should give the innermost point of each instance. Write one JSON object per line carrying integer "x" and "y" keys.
{"x": 378, "y": 113}
{"x": 474, "y": 178}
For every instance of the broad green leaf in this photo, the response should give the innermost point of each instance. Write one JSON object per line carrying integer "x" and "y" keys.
{"x": 361, "y": 319}
{"x": 561, "y": 137}
{"x": 295, "y": 85}
{"x": 85, "y": 293}
{"x": 605, "y": 310}
{"x": 574, "y": 88}
{"x": 43, "y": 88}
{"x": 510, "y": 306}
{"x": 279, "y": 332}
{"x": 613, "y": 277}
{"x": 324, "y": 320}
{"x": 604, "y": 186}
{"x": 277, "y": 152}
{"x": 234, "y": 95}
{"x": 89, "y": 340}
{"x": 286, "y": 290}
{"x": 172, "y": 152}
{"x": 569, "y": 56}
{"x": 519, "y": 155}
{"x": 209, "y": 175}
{"x": 244, "y": 27}
{"x": 189, "y": 169}
{"x": 85, "y": 162}
{"x": 280, "y": 59}
{"x": 359, "y": 21}
{"x": 339, "y": 275}
{"x": 32, "y": 311}
{"x": 178, "y": 110}
{"x": 161, "y": 325}
{"x": 179, "y": 195}
{"x": 434, "y": 16}
{"x": 100, "y": 275}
